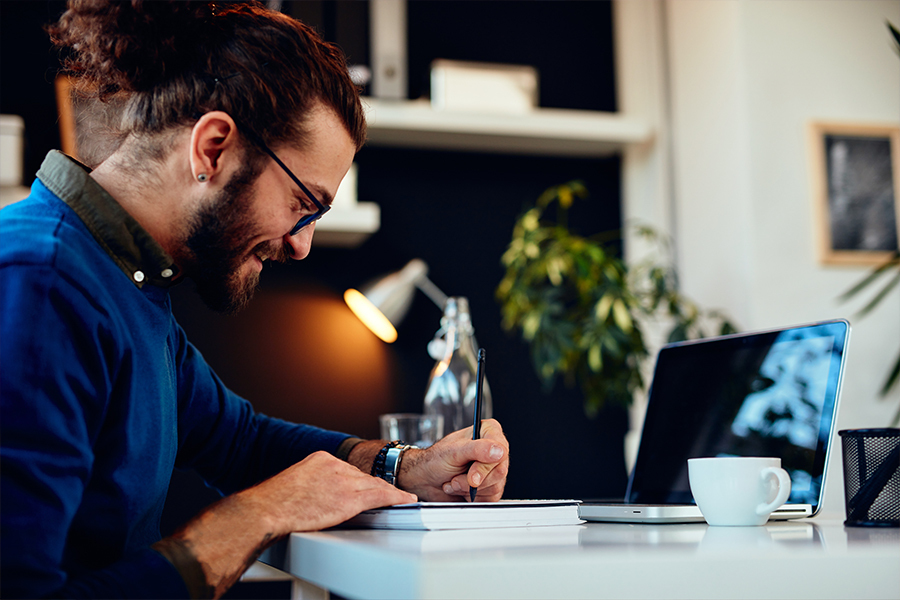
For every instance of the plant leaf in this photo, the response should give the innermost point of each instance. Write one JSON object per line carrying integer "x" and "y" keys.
{"x": 892, "y": 379}
{"x": 727, "y": 328}
{"x": 621, "y": 316}
{"x": 880, "y": 295}
{"x": 678, "y": 333}
{"x": 603, "y": 306}
{"x": 893, "y": 261}
{"x": 595, "y": 358}
{"x": 565, "y": 196}
{"x": 894, "y": 33}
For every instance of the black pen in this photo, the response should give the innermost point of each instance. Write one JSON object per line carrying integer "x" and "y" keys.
{"x": 479, "y": 406}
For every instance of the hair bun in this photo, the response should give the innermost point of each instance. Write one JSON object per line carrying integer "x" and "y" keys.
{"x": 133, "y": 45}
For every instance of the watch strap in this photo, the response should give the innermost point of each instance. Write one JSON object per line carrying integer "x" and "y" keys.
{"x": 387, "y": 462}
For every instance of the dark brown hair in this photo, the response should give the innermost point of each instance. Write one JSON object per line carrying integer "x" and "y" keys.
{"x": 173, "y": 61}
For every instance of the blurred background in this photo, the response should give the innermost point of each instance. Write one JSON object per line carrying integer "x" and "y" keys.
{"x": 691, "y": 116}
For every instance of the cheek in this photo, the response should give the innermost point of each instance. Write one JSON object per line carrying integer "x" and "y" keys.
{"x": 269, "y": 208}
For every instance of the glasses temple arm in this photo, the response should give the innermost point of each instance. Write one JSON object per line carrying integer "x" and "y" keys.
{"x": 265, "y": 148}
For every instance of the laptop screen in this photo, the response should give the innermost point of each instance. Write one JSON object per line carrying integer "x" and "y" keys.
{"x": 759, "y": 394}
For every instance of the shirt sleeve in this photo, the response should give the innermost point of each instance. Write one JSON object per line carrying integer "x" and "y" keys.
{"x": 53, "y": 391}
{"x": 221, "y": 436}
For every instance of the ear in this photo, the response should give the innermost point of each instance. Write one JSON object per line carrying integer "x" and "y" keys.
{"x": 213, "y": 138}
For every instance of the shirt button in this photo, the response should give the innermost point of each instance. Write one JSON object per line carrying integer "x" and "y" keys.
{"x": 138, "y": 276}
{"x": 167, "y": 273}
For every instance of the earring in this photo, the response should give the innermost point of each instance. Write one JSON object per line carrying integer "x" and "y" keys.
{"x": 202, "y": 177}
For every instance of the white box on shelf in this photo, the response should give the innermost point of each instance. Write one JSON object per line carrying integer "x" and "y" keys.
{"x": 483, "y": 87}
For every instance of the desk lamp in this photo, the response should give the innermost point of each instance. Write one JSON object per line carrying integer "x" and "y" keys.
{"x": 385, "y": 301}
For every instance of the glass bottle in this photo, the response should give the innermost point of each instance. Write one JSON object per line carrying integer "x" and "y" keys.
{"x": 452, "y": 384}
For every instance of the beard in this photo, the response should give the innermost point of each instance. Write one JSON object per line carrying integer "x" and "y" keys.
{"x": 218, "y": 248}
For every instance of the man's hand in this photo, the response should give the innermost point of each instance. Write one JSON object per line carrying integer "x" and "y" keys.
{"x": 322, "y": 491}
{"x": 318, "y": 492}
{"x": 446, "y": 470}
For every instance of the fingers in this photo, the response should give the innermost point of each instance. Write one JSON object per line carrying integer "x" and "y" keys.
{"x": 458, "y": 488}
{"x": 486, "y": 451}
{"x": 490, "y": 456}
{"x": 487, "y": 472}
{"x": 486, "y": 461}
{"x": 385, "y": 496}
{"x": 492, "y": 447}
{"x": 446, "y": 470}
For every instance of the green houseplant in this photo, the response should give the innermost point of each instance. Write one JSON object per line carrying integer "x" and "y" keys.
{"x": 581, "y": 308}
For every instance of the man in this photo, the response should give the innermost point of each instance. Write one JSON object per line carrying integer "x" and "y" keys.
{"x": 226, "y": 107}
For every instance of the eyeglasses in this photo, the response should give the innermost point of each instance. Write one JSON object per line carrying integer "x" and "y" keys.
{"x": 321, "y": 209}
{"x": 305, "y": 220}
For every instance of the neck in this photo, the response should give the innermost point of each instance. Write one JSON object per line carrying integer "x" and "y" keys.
{"x": 156, "y": 196}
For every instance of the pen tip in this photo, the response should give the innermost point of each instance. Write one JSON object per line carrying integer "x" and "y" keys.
{"x": 481, "y": 354}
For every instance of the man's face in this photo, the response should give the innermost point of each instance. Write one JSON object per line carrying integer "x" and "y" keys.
{"x": 248, "y": 220}
{"x": 218, "y": 242}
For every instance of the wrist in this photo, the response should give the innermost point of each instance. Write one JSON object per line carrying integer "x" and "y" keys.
{"x": 406, "y": 475}
{"x": 363, "y": 454}
{"x": 388, "y": 461}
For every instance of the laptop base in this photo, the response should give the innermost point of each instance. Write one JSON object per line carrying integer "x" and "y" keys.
{"x": 670, "y": 513}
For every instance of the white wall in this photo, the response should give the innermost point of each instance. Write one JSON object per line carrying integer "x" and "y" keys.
{"x": 745, "y": 77}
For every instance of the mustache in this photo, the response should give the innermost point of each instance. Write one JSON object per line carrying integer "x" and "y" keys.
{"x": 273, "y": 251}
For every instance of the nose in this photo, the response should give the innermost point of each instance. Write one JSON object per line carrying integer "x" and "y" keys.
{"x": 301, "y": 242}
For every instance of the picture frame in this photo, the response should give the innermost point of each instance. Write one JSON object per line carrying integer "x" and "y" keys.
{"x": 855, "y": 175}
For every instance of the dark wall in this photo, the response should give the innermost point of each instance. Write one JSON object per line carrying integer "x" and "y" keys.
{"x": 27, "y": 69}
{"x": 456, "y": 211}
{"x": 570, "y": 44}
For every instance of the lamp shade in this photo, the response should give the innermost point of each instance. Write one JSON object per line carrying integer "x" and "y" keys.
{"x": 383, "y": 303}
{"x": 371, "y": 317}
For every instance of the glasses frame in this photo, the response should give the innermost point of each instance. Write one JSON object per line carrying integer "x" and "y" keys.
{"x": 305, "y": 220}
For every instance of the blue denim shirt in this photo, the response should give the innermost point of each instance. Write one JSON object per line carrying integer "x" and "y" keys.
{"x": 103, "y": 396}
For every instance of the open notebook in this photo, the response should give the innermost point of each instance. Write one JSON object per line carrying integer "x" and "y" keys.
{"x": 770, "y": 393}
{"x": 470, "y": 515}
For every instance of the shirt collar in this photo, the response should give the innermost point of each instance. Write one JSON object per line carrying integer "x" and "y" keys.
{"x": 139, "y": 256}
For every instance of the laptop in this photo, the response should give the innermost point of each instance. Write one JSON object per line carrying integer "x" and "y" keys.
{"x": 766, "y": 393}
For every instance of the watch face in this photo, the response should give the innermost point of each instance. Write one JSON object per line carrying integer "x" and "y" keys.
{"x": 392, "y": 462}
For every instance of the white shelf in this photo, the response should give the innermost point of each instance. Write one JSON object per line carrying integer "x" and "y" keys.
{"x": 349, "y": 222}
{"x": 415, "y": 124}
{"x": 348, "y": 227}
{"x": 546, "y": 131}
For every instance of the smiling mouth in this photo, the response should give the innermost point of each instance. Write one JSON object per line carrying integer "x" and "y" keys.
{"x": 268, "y": 252}
{"x": 259, "y": 254}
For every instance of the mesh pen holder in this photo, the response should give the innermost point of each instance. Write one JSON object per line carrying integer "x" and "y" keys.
{"x": 872, "y": 476}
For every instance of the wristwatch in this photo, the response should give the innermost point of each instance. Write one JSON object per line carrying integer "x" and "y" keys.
{"x": 387, "y": 462}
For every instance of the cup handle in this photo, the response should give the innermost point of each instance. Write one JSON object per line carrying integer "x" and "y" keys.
{"x": 784, "y": 489}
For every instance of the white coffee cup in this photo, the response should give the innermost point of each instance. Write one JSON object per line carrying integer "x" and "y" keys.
{"x": 738, "y": 490}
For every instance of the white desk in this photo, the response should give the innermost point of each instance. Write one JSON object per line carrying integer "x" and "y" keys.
{"x": 816, "y": 558}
